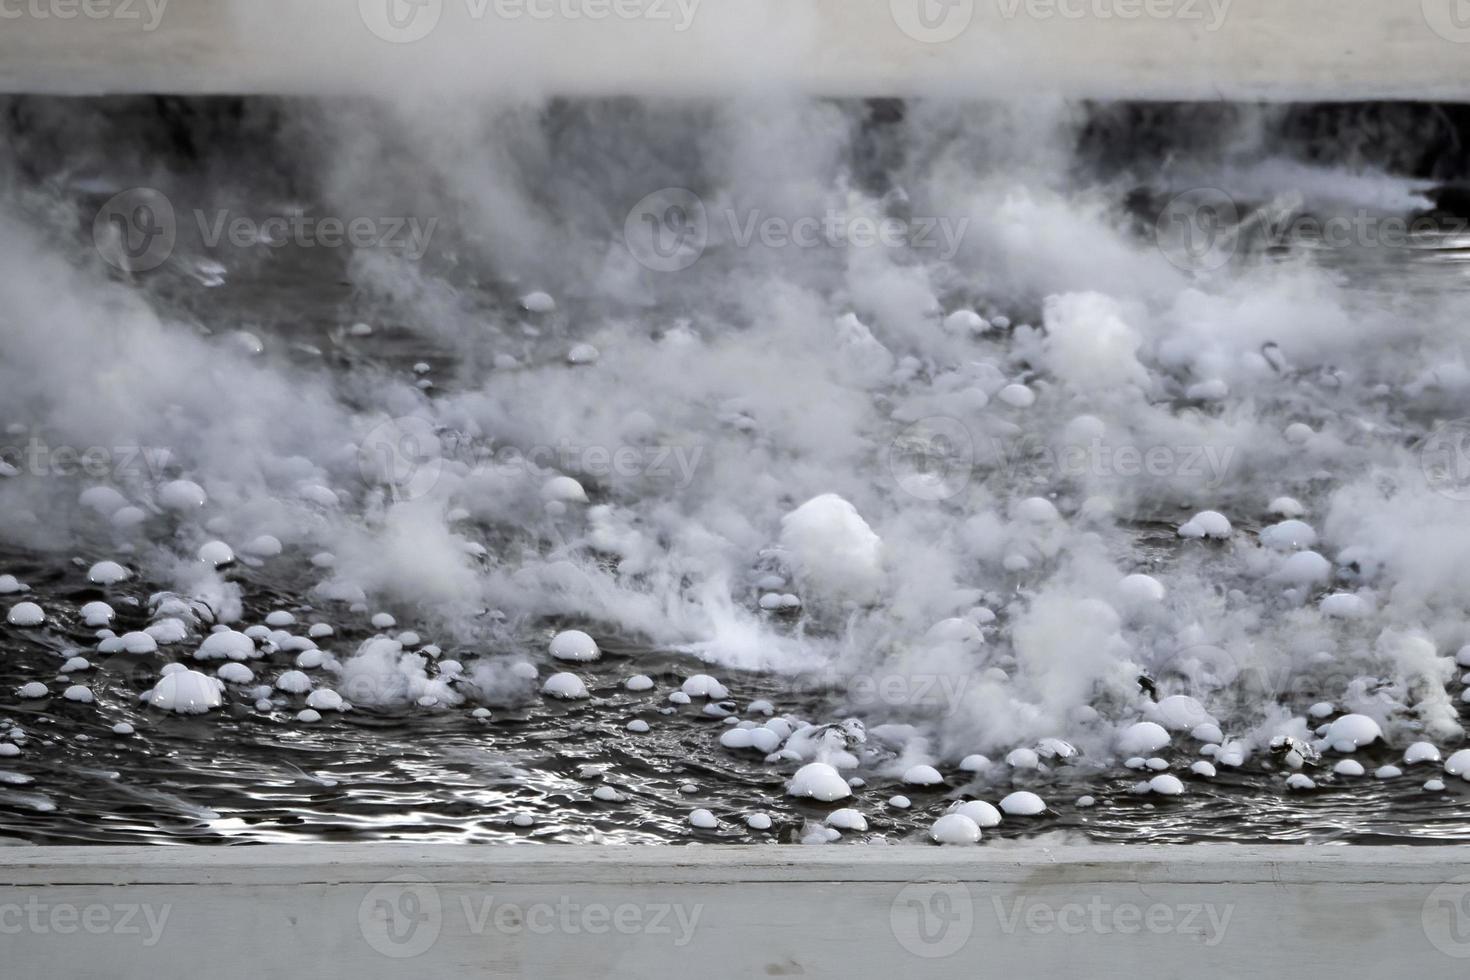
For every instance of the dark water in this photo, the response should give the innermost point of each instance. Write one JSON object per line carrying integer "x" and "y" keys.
{"x": 241, "y": 775}
{"x": 238, "y": 775}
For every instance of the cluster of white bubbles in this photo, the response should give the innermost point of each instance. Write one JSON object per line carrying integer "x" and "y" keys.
{"x": 873, "y": 462}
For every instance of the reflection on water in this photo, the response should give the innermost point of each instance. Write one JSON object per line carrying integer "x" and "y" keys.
{"x": 239, "y": 775}
{"x": 243, "y": 775}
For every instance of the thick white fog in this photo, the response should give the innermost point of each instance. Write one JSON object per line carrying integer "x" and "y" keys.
{"x": 937, "y": 467}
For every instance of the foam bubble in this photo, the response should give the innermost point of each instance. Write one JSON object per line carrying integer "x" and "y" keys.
{"x": 107, "y": 573}
{"x": 847, "y": 819}
{"x": 538, "y": 302}
{"x": 216, "y": 554}
{"x": 226, "y": 644}
{"x": 1351, "y": 732}
{"x": 575, "y": 646}
{"x": 955, "y": 828}
{"x": 1023, "y": 804}
{"x": 984, "y": 815}
{"x": 818, "y": 781}
{"x": 186, "y": 692}
{"x": 182, "y": 495}
{"x": 565, "y": 687}
{"x": 25, "y": 614}
{"x": 235, "y": 673}
{"x": 1143, "y": 738}
{"x": 1207, "y": 524}
{"x": 832, "y": 550}
{"x": 1166, "y": 785}
{"x": 704, "y": 686}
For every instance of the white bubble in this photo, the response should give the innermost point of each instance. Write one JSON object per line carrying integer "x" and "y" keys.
{"x": 1143, "y": 738}
{"x": 216, "y": 553}
{"x": 538, "y": 302}
{"x": 565, "y": 687}
{"x": 922, "y": 776}
{"x": 984, "y": 815}
{"x": 819, "y": 781}
{"x": 186, "y": 692}
{"x": 182, "y": 496}
{"x": 955, "y": 828}
{"x": 574, "y": 645}
{"x": 1023, "y": 804}
{"x": 107, "y": 573}
{"x": 25, "y": 614}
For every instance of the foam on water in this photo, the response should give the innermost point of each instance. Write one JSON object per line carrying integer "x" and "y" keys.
{"x": 852, "y": 462}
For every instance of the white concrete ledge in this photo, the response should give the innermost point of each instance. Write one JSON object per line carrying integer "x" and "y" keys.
{"x": 544, "y": 912}
{"x": 1175, "y": 49}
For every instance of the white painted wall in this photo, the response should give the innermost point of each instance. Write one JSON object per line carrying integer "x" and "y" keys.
{"x": 1237, "y": 49}
{"x": 1093, "y": 913}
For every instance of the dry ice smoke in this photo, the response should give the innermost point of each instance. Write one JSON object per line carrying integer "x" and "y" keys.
{"x": 952, "y": 448}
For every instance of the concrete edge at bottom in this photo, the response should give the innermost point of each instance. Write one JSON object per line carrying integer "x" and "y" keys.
{"x": 369, "y": 910}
